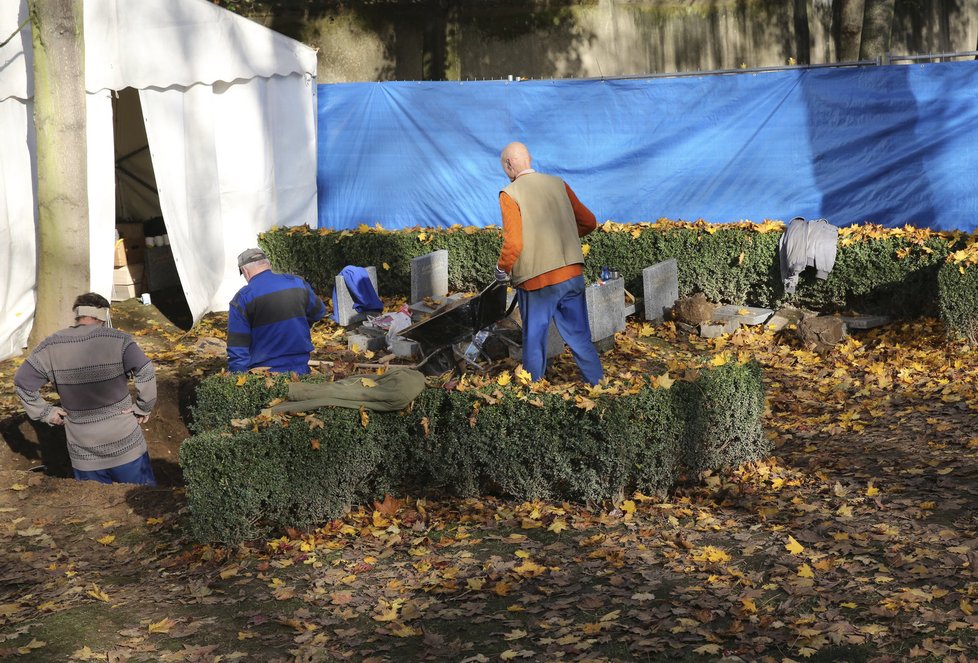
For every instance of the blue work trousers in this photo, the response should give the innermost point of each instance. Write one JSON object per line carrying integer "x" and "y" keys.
{"x": 564, "y": 303}
{"x": 138, "y": 471}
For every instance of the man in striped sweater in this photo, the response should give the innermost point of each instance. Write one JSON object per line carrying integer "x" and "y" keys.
{"x": 89, "y": 364}
{"x": 542, "y": 223}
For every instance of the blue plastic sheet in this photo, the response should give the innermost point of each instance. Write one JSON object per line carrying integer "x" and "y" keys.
{"x": 892, "y": 145}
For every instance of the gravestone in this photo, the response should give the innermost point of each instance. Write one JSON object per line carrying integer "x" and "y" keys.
{"x": 605, "y": 311}
{"x": 346, "y": 315}
{"x": 661, "y": 285}
{"x": 429, "y": 275}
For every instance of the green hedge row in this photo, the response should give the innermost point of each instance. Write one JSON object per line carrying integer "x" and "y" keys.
{"x": 958, "y": 282}
{"x": 242, "y": 483}
{"x": 884, "y": 272}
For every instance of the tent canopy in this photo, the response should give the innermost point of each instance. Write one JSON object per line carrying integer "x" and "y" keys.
{"x": 229, "y": 111}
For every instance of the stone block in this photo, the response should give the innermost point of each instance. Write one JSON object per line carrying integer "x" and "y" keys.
{"x": 366, "y": 339}
{"x": 661, "y": 288}
{"x": 605, "y": 308}
{"x": 717, "y": 328}
{"x": 744, "y": 315}
{"x": 404, "y": 348}
{"x": 605, "y": 344}
{"x": 429, "y": 275}
{"x": 777, "y": 322}
{"x": 865, "y": 321}
{"x": 346, "y": 315}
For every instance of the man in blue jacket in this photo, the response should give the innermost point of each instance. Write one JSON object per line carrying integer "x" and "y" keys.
{"x": 269, "y": 319}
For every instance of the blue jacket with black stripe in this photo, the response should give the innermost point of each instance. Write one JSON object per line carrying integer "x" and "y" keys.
{"x": 268, "y": 323}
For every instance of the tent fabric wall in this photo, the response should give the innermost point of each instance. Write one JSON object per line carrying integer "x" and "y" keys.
{"x": 886, "y": 144}
{"x": 226, "y": 179}
{"x": 17, "y": 214}
{"x": 232, "y": 109}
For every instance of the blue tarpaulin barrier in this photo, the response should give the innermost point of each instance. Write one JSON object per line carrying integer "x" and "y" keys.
{"x": 892, "y": 145}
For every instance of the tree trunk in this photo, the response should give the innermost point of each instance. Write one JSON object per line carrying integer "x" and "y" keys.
{"x": 847, "y": 16}
{"x": 877, "y": 28}
{"x": 802, "y": 33}
{"x": 63, "y": 267}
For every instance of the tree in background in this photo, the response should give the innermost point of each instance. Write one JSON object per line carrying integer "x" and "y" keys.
{"x": 877, "y": 28}
{"x": 63, "y": 266}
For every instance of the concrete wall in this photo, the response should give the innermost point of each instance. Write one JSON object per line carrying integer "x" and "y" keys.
{"x": 476, "y": 39}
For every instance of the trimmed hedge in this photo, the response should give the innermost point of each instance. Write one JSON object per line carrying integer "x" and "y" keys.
{"x": 958, "y": 283}
{"x": 499, "y": 440}
{"x": 891, "y": 272}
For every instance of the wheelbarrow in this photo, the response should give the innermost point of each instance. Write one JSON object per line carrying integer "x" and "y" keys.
{"x": 459, "y": 321}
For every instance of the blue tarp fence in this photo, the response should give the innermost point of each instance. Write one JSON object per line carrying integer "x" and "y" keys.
{"x": 893, "y": 145}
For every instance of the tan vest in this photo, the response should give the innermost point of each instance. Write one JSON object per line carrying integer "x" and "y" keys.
{"x": 550, "y": 238}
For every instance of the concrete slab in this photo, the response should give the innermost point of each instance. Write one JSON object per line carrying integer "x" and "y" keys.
{"x": 866, "y": 321}
{"x": 745, "y": 315}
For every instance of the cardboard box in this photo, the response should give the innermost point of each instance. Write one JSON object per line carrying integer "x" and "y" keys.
{"x": 122, "y": 292}
{"x": 120, "y": 253}
{"x": 128, "y": 274}
{"x": 131, "y": 245}
{"x": 130, "y": 230}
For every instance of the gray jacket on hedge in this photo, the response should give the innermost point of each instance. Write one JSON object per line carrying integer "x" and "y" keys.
{"x": 807, "y": 244}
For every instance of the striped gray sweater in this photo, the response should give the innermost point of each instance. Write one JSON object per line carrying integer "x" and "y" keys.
{"x": 89, "y": 366}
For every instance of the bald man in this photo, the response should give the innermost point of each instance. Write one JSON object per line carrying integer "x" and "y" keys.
{"x": 543, "y": 222}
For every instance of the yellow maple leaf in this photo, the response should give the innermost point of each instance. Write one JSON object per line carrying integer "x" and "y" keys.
{"x": 367, "y": 382}
{"x": 845, "y": 511}
{"x": 793, "y": 546}
{"x": 162, "y": 626}
{"x": 386, "y": 266}
{"x": 470, "y": 230}
{"x": 242, "y": 379}
{"x": 515, "y": 634}
{"x": 750, "y": 606}
{"x": 743, "y": 311}
{"x": 719, "y": 360}
{"x": 154, "y": 521}
{"x": 522, "y": 375}
{"x": 364, "y": 417}
{"x": 107, "y": 539}
{"x": 97, "y": 593}
{"x": 871, "y": 490}
{"x": 646, "y": 330}
{"x": 557, "y": 526}
{"x": 628, "y": 506}
{"x": 502, "y": 588}
{"x": 805, "y": 571}
{"x": 711, "y": 649}
{"x": 664, "y": 380}
{"x": 509, "y": 654}
{"x": 422, "y": 237}
{"x": 405, "y": 631}
{"x": 475, "y": 583}
{"x": 585, "y": 249}
{"x": 504, "y": 379}
{"x": 585, "y": 404}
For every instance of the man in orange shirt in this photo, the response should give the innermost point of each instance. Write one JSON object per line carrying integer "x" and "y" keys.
{"x": 542, "y": 224}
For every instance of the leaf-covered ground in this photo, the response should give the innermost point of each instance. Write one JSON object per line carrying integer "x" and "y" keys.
{"x": 855, "y": 541}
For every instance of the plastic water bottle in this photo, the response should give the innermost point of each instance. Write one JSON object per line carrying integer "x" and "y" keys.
{"x": 475, "y": 347}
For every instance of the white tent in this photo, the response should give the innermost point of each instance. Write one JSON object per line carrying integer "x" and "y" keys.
{"x": 229, "y": 114}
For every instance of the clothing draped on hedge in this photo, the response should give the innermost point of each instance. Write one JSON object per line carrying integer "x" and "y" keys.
{"x": 807, "y": 244}
{"x": 392, "y": 391}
